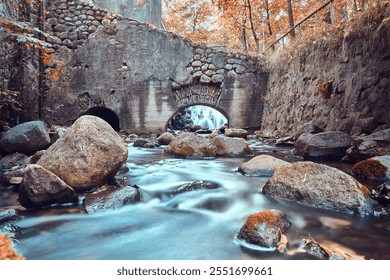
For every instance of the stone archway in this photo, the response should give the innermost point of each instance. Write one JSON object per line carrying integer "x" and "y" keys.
{"x": 106, "y": 114}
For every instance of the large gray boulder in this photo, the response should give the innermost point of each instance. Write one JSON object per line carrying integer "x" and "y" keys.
{"x": 231, "y": 147}
{"x": 41, "y": 188}
{"x": 321, "y": 186}
{"x": 25, "y": 138}
{"x": 190, "y": 145}
{"x": 373, "y": 168}
{"x": 375, "y": 144}
{"x": 87, "y": 155}
{"x": 262, "y": 166}
{"x": 330, "y": 144}
{"x": 264, "y": 229}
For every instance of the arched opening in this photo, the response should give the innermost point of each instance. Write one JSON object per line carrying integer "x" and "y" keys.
{"x": 105, "y": 114}
{"x": 198, "y": 115}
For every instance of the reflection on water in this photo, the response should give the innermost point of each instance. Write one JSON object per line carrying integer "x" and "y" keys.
{"x": 193, "y": 225}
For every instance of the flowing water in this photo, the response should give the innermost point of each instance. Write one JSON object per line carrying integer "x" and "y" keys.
{"x": 194, "y": 225}
{"x": 207, "y": 117}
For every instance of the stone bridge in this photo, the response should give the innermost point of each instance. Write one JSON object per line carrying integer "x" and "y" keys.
{"x": 141, "y": 75}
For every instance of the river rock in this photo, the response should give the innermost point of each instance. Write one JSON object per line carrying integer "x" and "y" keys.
{"x": 264, "y": 229}
{"x": 262, "y": 166}
{"x": 165, "y": 138}
{"x": 7, "y": 252}
{"x": 190, "y": 145}
{"x": 373, "y": 168}
{"x": 26, "y": 138}
{"x": 330, "y": 144}
{"x": 231, "y": 147}
{"x": 308, "y": 128}
{"x": 236, "y": 132}
{"x": 194, "y": 186}
{"x": 8, "y": 215}
{"x": 111, "y": 197}
{"x": 322, "y": 252}
{"x": 140, "y": 143}
{"x": 12, "y": 160}
{"x": 382, "y": 194}
{"x": 41, "y": 187}
{"x": 321, "y": 186}
{"x": 375, "y": 144}
{"x": 7, "y": 176}
{"x": 90, "y": 153}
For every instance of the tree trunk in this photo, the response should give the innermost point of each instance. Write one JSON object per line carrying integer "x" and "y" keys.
{"x": 354, "y": 5}
{"x": 244, "y": 43}
{"x": 266, "y": 5}
{"x": 255, "y": 38}
{"x": 291, "y": 19}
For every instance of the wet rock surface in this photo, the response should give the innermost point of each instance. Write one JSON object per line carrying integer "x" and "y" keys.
{"x": 190, "y": 145}
{"x": 111, "y": 197}
{"x": 321, "y": 252}
{"x": 230, "y": 147}
{"x": 382, "y": 194}
{"x": 264, "y": 229}
{"x": 331, "y": 144}
{"x": 308, "y": 128}
{"x": 375, "y": 144}
{"x": 41, "y": 188}
{"x": 165, "y": 138}
{"x": 236, "y": 132}
{"x": 321, "y": 186}
{"x": 90, "y": 153}
{"x": 373, "y": 168}
{"x": 196, "y": 185}
{"x": 262, "y": 166}
{"x": 26, "y": 138}
{"x": 12, "y": 160}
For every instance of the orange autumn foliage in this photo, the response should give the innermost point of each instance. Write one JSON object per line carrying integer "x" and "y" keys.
{"x": 252, "y": 25}
{"x": 6, "y": 250}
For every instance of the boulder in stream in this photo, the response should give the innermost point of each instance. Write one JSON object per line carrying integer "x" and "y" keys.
{"x": 231, "y": 147}
{"x": 194, "y": 186}
{"x": 373, "y": 168}
{"x": 190, "y": 145}
{"x": 41, "y": 188}
{"x": 262, "y": 166}
{"x": 375, "y": 144}
{"x": 264, "y": 229}
{"x": 330, "y": 144}
{"x": 236, "y": 132}
{"x": 111, "y": 197}
{"x": 87, "y": 155}
{"x": 322, "y": 252}
{"x": 26, "y": 138}
{"x": 165, "y": 138}
{"x": 320, "y": 186}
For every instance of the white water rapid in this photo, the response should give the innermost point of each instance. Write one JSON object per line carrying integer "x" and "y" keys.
{"x": 207, "y": 116}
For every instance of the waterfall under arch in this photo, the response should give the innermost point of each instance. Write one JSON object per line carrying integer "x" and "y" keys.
{"x": 202, "y": 115}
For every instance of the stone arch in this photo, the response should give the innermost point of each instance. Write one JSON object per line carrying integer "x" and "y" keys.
{"x": 106, "y": 114}
{"x": 180, "y": 109}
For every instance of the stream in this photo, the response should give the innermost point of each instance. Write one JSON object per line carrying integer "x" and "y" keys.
{"x": 195, "y": 225}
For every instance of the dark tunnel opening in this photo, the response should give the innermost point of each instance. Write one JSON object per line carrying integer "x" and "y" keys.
{"x": 106, "y": 114}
